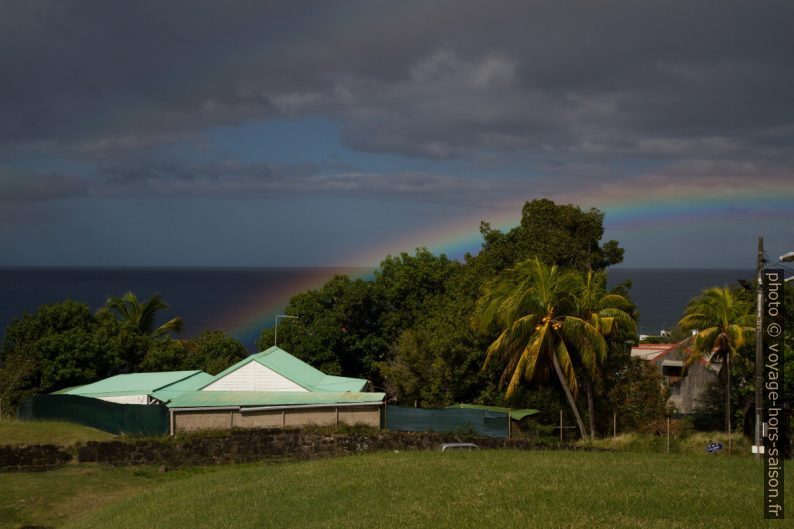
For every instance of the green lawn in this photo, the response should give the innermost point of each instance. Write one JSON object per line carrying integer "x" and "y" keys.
{"x": 408, "y": 489}
{"x": 48, "y": 432}
{"x": 51, "y": 498}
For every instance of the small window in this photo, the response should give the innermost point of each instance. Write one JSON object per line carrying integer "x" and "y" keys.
{"x": 672, "y": 371}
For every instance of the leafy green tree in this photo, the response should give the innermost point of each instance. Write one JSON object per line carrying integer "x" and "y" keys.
{"x": 142, "y": 314}
{"x": 336, "y": 329}
{"x": 635, "y": 392}
{"x": 563, "y": 235}
{"x": 210, "y": 351}
{"x": 348, "y": 326}
{"x": 410, "y": 375}
{"x": 407, "y": 284}
{"x": 724, "y": 321}
{"x": 15, "y": 376}
{"x": 533, "y": 306}
{"x": 60, "y": 345}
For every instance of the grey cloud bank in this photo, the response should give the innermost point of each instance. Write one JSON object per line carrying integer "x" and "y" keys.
{"x": 440, "y": 106}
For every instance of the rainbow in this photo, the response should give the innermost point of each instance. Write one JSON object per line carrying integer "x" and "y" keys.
{"x": 461, "y": 235}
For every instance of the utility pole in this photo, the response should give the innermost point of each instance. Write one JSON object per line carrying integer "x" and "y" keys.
{"x": 275, "y": 335}
{"x": 759, "y": 352}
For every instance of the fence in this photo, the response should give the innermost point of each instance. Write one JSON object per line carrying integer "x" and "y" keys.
{"x": 129, "y": 419}
{"x": 451, "y": 420}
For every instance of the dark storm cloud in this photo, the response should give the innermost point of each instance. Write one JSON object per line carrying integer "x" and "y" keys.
{"x": 235, "y": 179}
{"x": 446, "y": 79}
{"x": 24, "y": 187}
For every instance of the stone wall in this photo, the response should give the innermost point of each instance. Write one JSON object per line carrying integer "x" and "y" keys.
{"x": 235, "y": 446}
{"x": 33, "y": 458}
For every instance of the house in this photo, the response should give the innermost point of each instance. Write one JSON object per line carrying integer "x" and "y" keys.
{"x": 271, "y": 389}
{"x": 686, "y": 385}
{"x": 277, "y": 370}
{"x": 141, "y": 388}
{"x": 275, "y": 389}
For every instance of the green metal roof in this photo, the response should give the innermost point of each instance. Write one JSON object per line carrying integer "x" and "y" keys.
{"x": 211, "y": 399}
{"x": 189, "y": 384}
{"x": 514, "y": 414}
{"x": 140, "y": 384}
{"x": 297, "y": 371}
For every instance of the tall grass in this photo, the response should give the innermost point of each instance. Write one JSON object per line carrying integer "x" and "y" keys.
{"x": 693, "y": 443}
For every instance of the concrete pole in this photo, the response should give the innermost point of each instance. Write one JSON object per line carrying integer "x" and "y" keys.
{"x": 561, "y": 426}
{"x": 759, "y": 353}
{"x": 614, "y": 424}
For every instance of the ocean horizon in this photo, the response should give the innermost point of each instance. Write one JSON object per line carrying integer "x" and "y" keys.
{"x": 243, "y": 300}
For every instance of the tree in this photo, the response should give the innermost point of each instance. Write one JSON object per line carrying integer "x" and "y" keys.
{"x": 723, "y": 319}
{"x": 336, "y": 329}
{"x": 533, "y": 305}
{"x": 13, "y": 374}
{"x": 142, "y": 315}
{"x": 635, "y": 393}
{"x": 554, "y": 233}
{"x": 210, "y": 351}
{"x": 406, "y": 284}
{"x": 348, "y": 326}
{"x": 60, "y": 345}
{"x": 607, "y": 314}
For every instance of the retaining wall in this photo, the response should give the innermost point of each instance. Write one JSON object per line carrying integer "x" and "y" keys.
{"x": 235, "y": 446}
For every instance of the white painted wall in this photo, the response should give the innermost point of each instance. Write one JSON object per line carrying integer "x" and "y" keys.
{"x": 254, "y": 377}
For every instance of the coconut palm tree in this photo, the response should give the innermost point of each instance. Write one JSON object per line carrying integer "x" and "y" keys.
{"x": 724, "y": 321}
{"x": 533, "y": 306}
{"x": 606, "y": 312}
{"x": 142, "y": 315}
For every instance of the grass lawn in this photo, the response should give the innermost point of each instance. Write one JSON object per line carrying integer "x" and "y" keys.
{"x": 490, "y": 489}
{"x": 48, "y": 432}
{"x": 52, "y": 498}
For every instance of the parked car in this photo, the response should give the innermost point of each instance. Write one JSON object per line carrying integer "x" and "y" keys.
{"x": 459, "y": 446}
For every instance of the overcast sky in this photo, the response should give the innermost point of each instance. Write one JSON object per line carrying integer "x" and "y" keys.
{"x": 269, "y": 133}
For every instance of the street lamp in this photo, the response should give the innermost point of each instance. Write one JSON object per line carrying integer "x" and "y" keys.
{"x": 275, "y": 336}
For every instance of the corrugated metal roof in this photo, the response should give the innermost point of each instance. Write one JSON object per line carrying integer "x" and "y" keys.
{"x": 195, "y": 382}
{"x": 297, "y": 371}
{"x": 211, "y": 399}
{"x": 139, "y": 383}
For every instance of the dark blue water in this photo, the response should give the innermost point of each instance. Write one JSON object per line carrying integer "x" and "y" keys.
{"x": 205, "y": 298}
{"x": 662, "y": 293}
{"x": 209, "y": 298}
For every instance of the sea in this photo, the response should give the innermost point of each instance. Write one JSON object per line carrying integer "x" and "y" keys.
{"x": 242, "y": 301}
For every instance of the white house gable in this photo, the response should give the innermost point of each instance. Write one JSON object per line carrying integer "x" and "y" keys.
{"x": 253, "y": 376}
